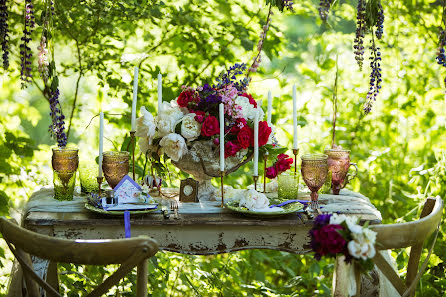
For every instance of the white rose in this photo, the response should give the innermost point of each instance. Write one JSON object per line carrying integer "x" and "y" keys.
{"x": 174, "y": 146}
{"x": 362, "y": 251}
{"x": 248, "y": 110}
{"x": 190, "y": 128}
{"x": 168, "y": 118}
{"x": 370, "y": 235}
{"x": 254, "y": 200}
{"x": 354, "y": 249}
{"x": 145, "y": 144}
{"x": 145, "y": 125}
{"x": 337, "y": 219}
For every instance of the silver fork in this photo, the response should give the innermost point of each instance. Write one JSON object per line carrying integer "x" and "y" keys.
{"x": 174, "y": 208}
{"x": 315, "y": 206}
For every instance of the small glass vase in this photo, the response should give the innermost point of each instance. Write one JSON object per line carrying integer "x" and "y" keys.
{"x": 65, "y": 162}
{"x": 88, "y": 173}
{"x": 288, "y": 185}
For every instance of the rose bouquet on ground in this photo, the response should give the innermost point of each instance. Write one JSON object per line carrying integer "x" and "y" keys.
{"x": 334, "y": 234}
{"x": 186, "y": 129}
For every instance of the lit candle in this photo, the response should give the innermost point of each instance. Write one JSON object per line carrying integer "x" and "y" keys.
{"x": 294, "y": 118}
{"x": 222, "y": 136}
{"x": 160, "y": 92}
{"x": 256, "y": 143}
{"x": 101, "y": 141}
{"x": 270, "y": 103}
{"x": 135, "y": 94}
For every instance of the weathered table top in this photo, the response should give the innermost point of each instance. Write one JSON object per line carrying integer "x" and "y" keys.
{"x": 208, "y": 230}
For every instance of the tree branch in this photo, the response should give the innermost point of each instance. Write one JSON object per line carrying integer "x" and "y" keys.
{"x": 76, "y": 92}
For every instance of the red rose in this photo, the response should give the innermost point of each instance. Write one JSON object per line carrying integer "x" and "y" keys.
{"x": 239, "y": 124}
{"x": 216, "y": 141}
{"x": 210, "y": 126}
{"x": 282, "y": 156}
{"x": 245, "y": 137}
{"x": 271, "y": 172}
{"x": 231, "y": 149}
{"x": 251, "y": 100}
{"x": 184, "y": 98}
{"x": 199, "y": 115}
{"x": 264, "y": 133}
{"x": 283, "y": 164}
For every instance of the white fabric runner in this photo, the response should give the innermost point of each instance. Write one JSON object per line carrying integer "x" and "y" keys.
{"x": 346, "y": 202}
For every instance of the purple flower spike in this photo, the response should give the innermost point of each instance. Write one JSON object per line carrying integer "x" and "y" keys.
{"x": 57, "y": 127}
{"x": 25, "y": 73}
{"x": 4, "y": 30}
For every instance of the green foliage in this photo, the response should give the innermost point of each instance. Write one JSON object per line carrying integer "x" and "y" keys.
{"x": 399, "y": 147}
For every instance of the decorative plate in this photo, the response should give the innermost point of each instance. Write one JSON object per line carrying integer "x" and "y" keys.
{"x": 117, "y": 212}
{"x": 287, "y": 209}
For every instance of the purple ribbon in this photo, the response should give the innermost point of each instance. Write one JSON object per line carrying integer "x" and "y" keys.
{"x": 304, "y": 202}
{"x": 127, "y": 223}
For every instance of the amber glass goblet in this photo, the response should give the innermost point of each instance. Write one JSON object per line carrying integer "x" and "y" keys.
{"x": 314, "y": 171}
{"x": 64, "y": 162}
{"x": 115, "y": 166}
{"x": 339, "y": 164}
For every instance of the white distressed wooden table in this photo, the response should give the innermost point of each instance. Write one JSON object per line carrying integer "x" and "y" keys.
{"x": 202, "y": 228}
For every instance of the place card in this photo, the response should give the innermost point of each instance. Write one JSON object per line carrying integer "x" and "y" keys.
{"x": 128, "y": 191}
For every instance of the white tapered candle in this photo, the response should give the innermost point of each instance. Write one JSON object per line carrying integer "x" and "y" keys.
{"x": 256, "y": 143}
{"x": 160, "y": 92}
{"x": 101, "y": 141}
{"x": 135, "y": 95}
{"x": 295, "y": 147}
{"x": 270, "y": 103}
{"x": 222, "y": 136}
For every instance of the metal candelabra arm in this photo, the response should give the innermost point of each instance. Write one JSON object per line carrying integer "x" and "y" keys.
{"x": 248, "y": 158}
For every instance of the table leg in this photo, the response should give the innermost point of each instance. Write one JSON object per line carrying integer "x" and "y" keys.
{"x": 52, "y": 277}
{"x": 340, "y": 278}
{"x": 141, "y": 281}
{"x": 15, "y": 280}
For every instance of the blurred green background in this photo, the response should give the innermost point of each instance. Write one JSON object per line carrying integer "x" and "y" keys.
{"x": 400, "y": 147}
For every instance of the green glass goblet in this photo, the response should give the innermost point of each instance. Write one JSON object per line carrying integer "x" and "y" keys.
{"x": 87, "y": 176}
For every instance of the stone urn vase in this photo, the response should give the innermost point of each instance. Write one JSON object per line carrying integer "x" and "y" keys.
{"x": 202, "y": 161}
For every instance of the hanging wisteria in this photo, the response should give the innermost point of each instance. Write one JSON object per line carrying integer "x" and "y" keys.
{"x": 441, "y": 57}
{"x": 324, "y": 9}
{"x": 369, "y": 19}
{"x": 4, "y": 30}
{"x": 358, "y": 43}
{"x": 25, "y": 50}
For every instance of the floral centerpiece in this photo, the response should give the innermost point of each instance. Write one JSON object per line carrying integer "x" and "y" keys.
{"x": 186, "y": 129}
{"x": 334, "y": 234}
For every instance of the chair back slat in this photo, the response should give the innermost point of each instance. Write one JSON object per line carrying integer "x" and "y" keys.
{"x": 411, "y": 234}
{"x": 389, "y": 273}
{"x": 129, "y": 253}
{"x": 89, "y": 252}
{"x": 415, "y": 251}
{"x": 408, "y": 234}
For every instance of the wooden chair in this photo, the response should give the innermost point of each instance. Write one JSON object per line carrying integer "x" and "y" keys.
{"x": 127, "y": 252}
{"x": 396, "y": 236}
